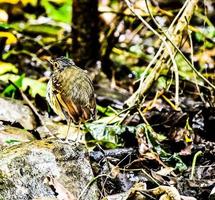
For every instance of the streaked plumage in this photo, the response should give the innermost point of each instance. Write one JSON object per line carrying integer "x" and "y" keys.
{"x": 70, "y": 92}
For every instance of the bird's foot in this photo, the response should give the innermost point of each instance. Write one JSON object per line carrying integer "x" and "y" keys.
{"x": 76, "y": 141}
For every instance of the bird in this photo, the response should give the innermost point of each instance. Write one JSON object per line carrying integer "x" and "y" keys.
{"x": 70, "y": 92}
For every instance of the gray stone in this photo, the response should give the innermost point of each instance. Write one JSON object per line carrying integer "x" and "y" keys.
{"x": 46, "y": 169}
{"x": 15, "y": 111}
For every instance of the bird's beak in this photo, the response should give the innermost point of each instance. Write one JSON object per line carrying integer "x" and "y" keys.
{"x": 50, "y": 60}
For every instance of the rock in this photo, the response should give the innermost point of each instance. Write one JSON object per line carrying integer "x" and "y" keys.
{"x": 212, "y": 194}
{"x": 120, "y": 196}
{"x": 47, "y": 169}
{"x": 59, "y": 130}
{"x": 11, "y": 135}
{"x": 15, "y": 111}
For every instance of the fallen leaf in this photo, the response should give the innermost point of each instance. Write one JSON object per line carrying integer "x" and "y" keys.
{"x": 61, "y": 192}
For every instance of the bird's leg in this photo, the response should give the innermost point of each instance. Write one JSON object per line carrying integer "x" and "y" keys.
{"x": 67, "y": 133}
{"x": 78, "y": 138}
{"x": 113, "y": 80}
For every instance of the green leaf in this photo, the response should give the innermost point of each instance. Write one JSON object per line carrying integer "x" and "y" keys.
{"x": 7, "y": 67}
{"x": 164, "y": 155}
{"x": 10, "y": 89}
{"x": 207, "y": 31}
{"x": 161, "y": 83}
{"x": 105, "y": 110}
{"x": 12, "y": 141}
{"x": 36, "y": 87}
{"x": 180, "y": 165}
{"x": 108, "y": 136}
{"x": 63, "y": 13}
{"x": 45, "y": 29}
{"x": 4, "y": 26}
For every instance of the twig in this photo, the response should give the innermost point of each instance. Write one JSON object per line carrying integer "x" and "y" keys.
{"x": 90, "y": 183}
{"x": 146, "y": 83}
{"x": 192, "y": 61}
{"x": 127, "y": 110}
{"x": 162, "y": 45}
{"x": 172, "y": 58}
{"x": 194, "y": 164}
{"x": 25, "y": 98}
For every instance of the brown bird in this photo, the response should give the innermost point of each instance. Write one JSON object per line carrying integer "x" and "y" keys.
{"x": 70, "y": 92}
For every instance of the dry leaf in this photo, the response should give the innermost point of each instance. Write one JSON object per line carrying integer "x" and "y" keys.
{"x": 60, "y": 190}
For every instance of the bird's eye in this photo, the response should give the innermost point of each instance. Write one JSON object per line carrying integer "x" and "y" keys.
{"x": 56, "y": 65}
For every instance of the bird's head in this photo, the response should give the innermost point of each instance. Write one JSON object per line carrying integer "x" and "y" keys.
{"x": 61, "y": 62}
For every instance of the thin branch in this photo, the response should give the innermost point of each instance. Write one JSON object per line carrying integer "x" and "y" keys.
{"x": 25, "y": 98}
{"x": 174, "y": 40}
{"x": 171, "y": 53}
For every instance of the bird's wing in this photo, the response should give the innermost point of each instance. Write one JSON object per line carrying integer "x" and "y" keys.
{"x": 77, "y": 98}
{"x": 69, "y": 107}
{"x": 53, "y": 100}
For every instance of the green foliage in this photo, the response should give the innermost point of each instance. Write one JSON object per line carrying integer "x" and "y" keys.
{"x": 12, "y": 141}
{"x": 137, "y": 71}
{"x": 169, "y": 158}
{"x": 36, "y": 87}
{"x": 4, "y": 26}
{"x": 180, "y": 165}
{"x": 62, "y": 12}
{"x": 11, "y": 89}
{"x": 7, "y": 67}
{"x": 162, "y": 83}
{"x": 46, "y": 29}
{"x": 208, "y": 32}
{"x": 154, "y": 140}
{"x": 108, "y": 136}
{"x": 105, "y": 110}
{"x": 185, "y": 72}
